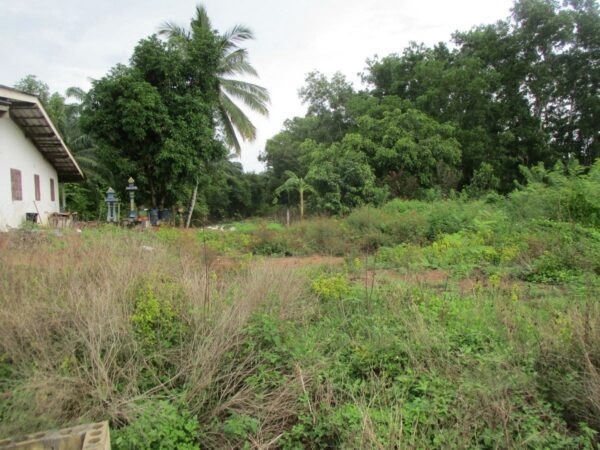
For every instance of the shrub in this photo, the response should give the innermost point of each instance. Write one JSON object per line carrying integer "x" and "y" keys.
{"x": 269, "y": 241}
{"x": 323, "y": 235}
{"x": 563, "y": 194}
{"x": 404, "y": 255}
{"x": 483, "y": 181}
{"x": 331, "y": 287}
{"x": 155, "y": 318}
{"x": 161, "y": 424}
{"x": 240, "y": 426}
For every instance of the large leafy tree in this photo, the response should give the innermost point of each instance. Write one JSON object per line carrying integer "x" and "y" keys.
{"x": 341, "y": 175}
{"x": 409, "y": 150}
{"x": 521, "y": 91}
{"x": 154, "y": 117}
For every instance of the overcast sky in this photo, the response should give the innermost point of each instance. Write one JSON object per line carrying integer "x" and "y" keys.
{"x": 68, "y": 42}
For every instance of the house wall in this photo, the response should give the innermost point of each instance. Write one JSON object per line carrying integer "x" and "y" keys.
{"x": 18, "y": 152}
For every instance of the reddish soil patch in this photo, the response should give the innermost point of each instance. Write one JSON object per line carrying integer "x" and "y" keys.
{"x": 227, "y": 263}
{"x": 431, "y": 277}
{"x": 301, "y": 261}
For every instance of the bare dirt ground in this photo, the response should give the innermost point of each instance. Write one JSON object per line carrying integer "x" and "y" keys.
{"x": 293, "y": 262}
{"x": 301, "y": 261}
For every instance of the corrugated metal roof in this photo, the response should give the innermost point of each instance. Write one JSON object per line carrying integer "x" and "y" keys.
{"x": 29, "y": 114}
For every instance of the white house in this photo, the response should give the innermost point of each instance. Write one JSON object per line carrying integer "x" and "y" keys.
{"x": 33, "y": 160}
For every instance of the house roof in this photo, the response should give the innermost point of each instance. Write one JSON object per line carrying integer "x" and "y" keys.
{"x": 28, "y": 113}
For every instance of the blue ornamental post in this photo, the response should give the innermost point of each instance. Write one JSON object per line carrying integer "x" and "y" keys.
{"x": 111, "y": 202}
{"x": 131, "y": 189}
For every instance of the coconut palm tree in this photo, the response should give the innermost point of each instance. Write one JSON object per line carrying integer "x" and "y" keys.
{"x": 233, "y": 62}
{"x": 295, "y": 183}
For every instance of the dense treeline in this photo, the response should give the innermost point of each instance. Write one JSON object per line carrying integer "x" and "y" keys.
{"x": 463, "y": 115}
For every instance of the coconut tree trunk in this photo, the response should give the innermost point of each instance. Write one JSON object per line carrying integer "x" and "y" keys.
{"x": 301, "y": 205}
{"x": 287, "y": 210}
{"x": 192, "y": 205}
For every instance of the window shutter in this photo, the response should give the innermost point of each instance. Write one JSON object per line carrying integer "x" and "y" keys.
{"x": 16, "y": 186}
{"x": 38, "y": 194}
{"x": 52, "y": 189}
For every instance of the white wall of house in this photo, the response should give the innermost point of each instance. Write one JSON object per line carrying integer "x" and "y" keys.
{"x": 18, "y": 152}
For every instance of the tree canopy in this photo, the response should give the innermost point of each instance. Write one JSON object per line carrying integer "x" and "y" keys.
{"x": 467, "y": 114}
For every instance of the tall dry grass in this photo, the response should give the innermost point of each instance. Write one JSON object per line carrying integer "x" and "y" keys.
{"x": 67, "y": 335}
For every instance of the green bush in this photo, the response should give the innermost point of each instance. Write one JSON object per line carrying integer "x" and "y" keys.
{"x": 565, "y": 193}
{"x": 161, "y": 425}
{"x": 331, "y": 287}
{"x": 401, "y": 256}
{"x": 323, "y": 236}
{"x": 155, "y": 319}
{"x": 240, "y": 426}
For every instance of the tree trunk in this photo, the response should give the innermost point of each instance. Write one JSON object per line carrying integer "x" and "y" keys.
{"x": 301, "y": 205}
{"x": 287, "y": 215}
{"x": 192, "y": 205}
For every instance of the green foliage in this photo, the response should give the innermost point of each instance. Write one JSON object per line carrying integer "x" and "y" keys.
{"x": 567, "y": 363}
{"x": 151, "y": 122}
{"x": 341, "y": 175}
{"x": 402, "y": 256}
{"x": 331, "y": 287}
{"x": 460, "y": 249}
{"x": 239, "y": 426}
{"x": 410, "y": 150}
{"x": 213, "y": 59}
{"x": 161, "y": 117}
{"x": 482, "y": 352}
{"x": 155, "y": 319}
{"x": 160, "y": 425}
{"x": 565, "y": 193}
{"x": 32, "y": 85}
{"x": 483, "y": 181}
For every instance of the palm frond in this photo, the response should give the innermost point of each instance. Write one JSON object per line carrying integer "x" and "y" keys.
{"x": 229, "y": 134}
{"x": 253, "y": 96}
{"x": 77, "y": 93}
{"x": 172, "y": 31}
{"x": 202, "y": 17}
{"x": 307, "y": 187}
{"x": 236, "y": 62}
{"x": 238, "y": 34}
{"x": 288, "y": 185}
{"x": 237, "y": 118}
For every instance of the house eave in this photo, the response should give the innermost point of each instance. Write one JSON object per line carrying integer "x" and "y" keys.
{"x": 29, "y": 114}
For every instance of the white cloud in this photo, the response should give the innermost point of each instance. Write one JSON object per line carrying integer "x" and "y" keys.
{"x": 67, "y": 42}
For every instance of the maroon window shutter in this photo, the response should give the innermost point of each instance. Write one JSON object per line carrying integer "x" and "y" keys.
{"x": 38, "y": 194}
{"x": 16, "y": 186}
{"x": 52, "y": 189}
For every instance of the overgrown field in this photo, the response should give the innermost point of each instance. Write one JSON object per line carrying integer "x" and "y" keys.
{"x": 448, "y": 324}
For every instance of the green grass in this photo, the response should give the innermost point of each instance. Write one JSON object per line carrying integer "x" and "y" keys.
{"x": 451, "y": 324}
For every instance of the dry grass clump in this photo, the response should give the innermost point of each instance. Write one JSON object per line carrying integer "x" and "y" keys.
{"x": 91, "y": 324}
